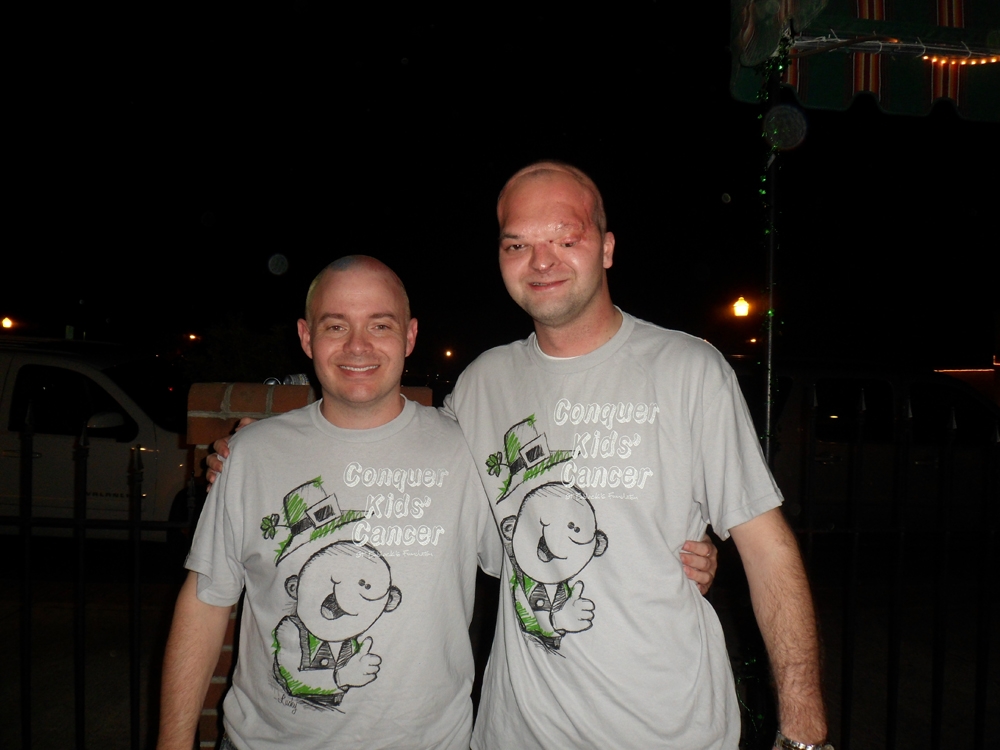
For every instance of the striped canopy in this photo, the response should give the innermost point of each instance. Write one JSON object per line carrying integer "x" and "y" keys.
{"x": 906, "y": 53}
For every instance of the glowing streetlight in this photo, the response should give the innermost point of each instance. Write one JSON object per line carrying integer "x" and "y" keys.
{"x": 7, "y": 323}
{"x": 741, "y": 307}
{"x": 447, "y": 352}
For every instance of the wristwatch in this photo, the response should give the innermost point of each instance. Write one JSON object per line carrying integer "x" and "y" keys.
{"x": 784, "y": 743}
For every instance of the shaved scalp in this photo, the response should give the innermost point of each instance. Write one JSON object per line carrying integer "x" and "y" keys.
{"x": 551, "y": 167}
{"x": 351, "y": 263}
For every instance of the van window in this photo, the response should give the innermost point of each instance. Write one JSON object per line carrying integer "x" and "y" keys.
{"x": 61, "y": 403}
{"x": 837, "y": 410}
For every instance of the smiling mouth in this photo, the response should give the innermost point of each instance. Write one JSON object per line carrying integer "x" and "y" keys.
{"x": 351, "y": 368}
{"x": 331, "y": 610}
{"x": 543, "y": 551}
{"x": 545, "y": 284}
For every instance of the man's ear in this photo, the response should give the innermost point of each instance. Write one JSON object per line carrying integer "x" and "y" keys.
{"x": 292, "y": 586}
{"x": 305, "y": 337}
{"x": 602, "y": 543}
{"x": 609, "y": 249}
{"x": 411, "y": 336}
{"x": 395, "y": 597}
{"x": 507, "y": 527}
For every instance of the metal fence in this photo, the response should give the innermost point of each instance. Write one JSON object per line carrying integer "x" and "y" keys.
{"x": 79, "y": 524}
{"x": 918, "y": 500}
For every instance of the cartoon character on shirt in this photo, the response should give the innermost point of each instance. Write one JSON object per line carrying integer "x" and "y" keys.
{"x": 550, "y": 540}
{"x": 339, "y": 593}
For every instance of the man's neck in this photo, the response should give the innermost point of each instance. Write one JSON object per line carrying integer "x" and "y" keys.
{"x": 361, "y": 416}
{"x": 582, "y": 336}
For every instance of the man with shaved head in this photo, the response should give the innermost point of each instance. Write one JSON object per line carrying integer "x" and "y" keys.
{"x": 354, "y": 526}
{"x": 602, "y": 641}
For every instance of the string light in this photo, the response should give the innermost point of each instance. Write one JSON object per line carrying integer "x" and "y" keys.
{"x": 963, "y": 60}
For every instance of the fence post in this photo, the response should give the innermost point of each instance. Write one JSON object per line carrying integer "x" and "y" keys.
{"x": 855, "y": 489}
{"x": 941, "y": 586}
{"x": 81, "y": 453}
{"x": 26, "y": 481}
{"x": 900, "y": 493}
{"x": 135, "y": 471}
{"x": 987, "y": 568}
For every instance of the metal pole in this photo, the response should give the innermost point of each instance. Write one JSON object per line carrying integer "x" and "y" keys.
{"x": 27, "y": 477}
{"x": 80, "y": 456}
{"x": 895, "y": 633}
{"x": 855, "y": 490}
{"x": 771, "y": 180}
{"x": 941, "y": 588}
{"x": 135, "y": 538}
{"x": 986, "y": 588}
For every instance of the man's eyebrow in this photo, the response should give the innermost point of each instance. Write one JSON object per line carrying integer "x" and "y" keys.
{"x": 564, "y": 227}
{"x": 373, "y": 316}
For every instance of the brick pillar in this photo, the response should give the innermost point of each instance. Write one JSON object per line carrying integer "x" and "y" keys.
{"x": 214, "y": 409}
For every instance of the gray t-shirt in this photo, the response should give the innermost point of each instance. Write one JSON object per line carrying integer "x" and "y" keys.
{"x": 599, "y": 468}
{"x": 357, "y": 550}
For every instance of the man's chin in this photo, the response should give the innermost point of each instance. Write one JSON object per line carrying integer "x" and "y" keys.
{"x": 551, "y": 315}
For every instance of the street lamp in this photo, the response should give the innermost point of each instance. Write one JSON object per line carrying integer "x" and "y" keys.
{"x": 7, "y": 323}
{"x": 741, "y": 307}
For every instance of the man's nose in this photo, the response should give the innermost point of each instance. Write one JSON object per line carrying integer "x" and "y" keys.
{"x": 359, "y": 341}
{"x": 543, "y": 256}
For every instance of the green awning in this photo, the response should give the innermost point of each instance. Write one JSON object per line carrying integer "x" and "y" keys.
{"x": 906, "y": 53}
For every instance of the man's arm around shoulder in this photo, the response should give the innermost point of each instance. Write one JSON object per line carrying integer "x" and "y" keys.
{"x": 783, "y": 605}
{"x": 193, "y": 649}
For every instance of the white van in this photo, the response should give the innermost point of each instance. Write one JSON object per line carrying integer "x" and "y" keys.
{"x": 124, "y": 400}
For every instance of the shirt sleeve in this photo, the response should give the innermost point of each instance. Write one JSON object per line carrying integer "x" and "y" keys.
{"x": 448, "y": 409}
{"x": 216, "y": 547}
{"x": 490, "y": 546}
{"x": 736, "y": 482}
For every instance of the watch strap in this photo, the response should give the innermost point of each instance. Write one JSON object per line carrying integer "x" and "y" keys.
{"x": 781, "y": 741}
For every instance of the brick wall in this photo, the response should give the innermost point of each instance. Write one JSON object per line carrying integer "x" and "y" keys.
{"x": 214, "y": 409}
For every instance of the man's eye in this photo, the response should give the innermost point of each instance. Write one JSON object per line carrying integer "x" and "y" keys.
{"x": 515, "y": 247}
{"x": 571, "y": 243}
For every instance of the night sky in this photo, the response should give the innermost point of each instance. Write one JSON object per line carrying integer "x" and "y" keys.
{"x": 161, "y": 159}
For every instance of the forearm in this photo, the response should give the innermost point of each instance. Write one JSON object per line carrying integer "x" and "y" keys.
{"x": 783, "y": 605}
{"x": 192, "y": 652}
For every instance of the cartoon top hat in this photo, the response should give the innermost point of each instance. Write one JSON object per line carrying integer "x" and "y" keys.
{"x": 308, "y": 514}
{"x": 526, "y": 455}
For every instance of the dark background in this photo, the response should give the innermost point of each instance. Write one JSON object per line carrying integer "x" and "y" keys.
{"x": 164, "y": 153}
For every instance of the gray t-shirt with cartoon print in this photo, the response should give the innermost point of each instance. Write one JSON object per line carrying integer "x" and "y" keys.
{"x": 598, "y": 469}
{"x": 358, "y": 552}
